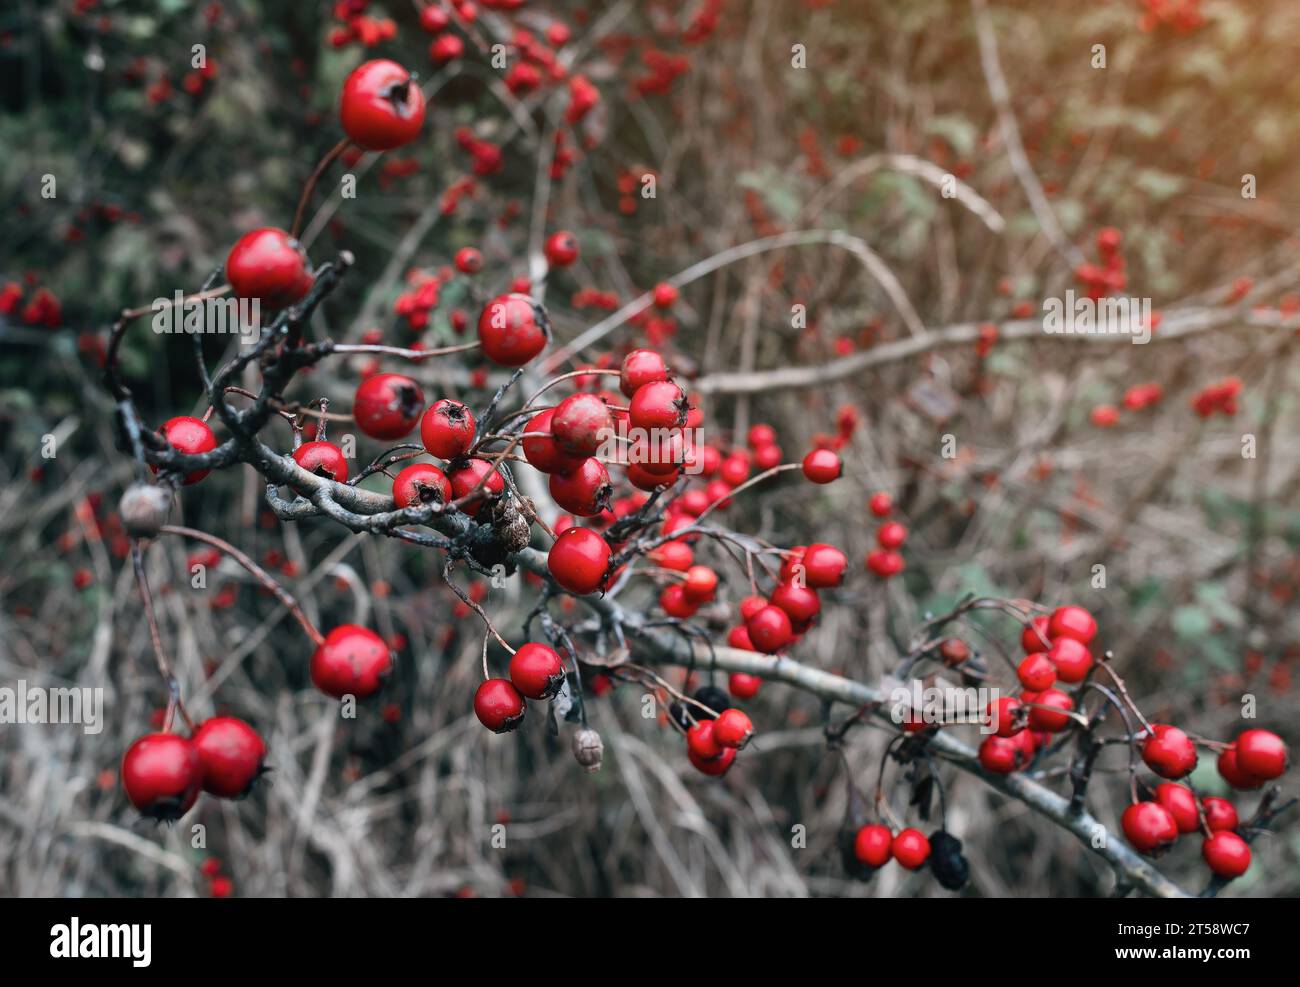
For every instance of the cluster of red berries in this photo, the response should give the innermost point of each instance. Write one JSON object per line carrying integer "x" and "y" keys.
{"x": 1180, "y": 16}
{"x": 357, "y": 25}
{"x": 712, "y": 743}
{"x": 42, "y": 309}
{"x": 1108, "y": 277}
{"x": 536, "y": 672}
{"x": 874, "y": 845}
{"x": 1221, "y": 397}
{"x": 885, "y": 560}
{"x": 163, "y": 773}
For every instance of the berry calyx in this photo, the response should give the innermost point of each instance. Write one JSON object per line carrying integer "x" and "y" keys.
{"x": 911, "y": 849}
{"x": 447, "y": 429}
{"x": 1227, "y": 854}
{"x": 190, "y": 436}
{"x": 381, "y": 106}
{"x": 421, "y": 483}
{"x": 512, "y": 330}
{"x": 387, "y": 406}
{"x": 1149, "y": 827}
{"x": 822, "y": 466}
{"x": 732, "y": 728}
{"x": 351, "y": 661}
{"x": 162, "y": 775}
{"x": 579, "y": 561}
{"x": 232, "y": 754}
{"x": 873, "y": 845}
{"x": 536, "y": 671}
{"x": 499, "y": 706}
{"x": 269, "y": 265}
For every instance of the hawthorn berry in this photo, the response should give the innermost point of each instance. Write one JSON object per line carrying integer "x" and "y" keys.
{"x": 1181, "y": 804}
{"x": 741, "y": 684}
{"x": 1034, "y": 637}
{"x": 579, "y": 561}
{"x": 468, "y": 260}
{"x": 162, "y": 774}
{"x": 701, "y": 583}
{"x": 823, "y": 566}
{"x": 769, "y": 629}
{"x": 1169, "y": 752}
{"x": 641, "y": 367}
{"x": 734, "y": 470}
{"x": 446, "y": 48}
{"x": 536, "y": 671}
{"x": 953, "y": 651}
{"x": 732, "y": 728}
{"x": 434, "y": 18}
{"x": 387, "y": 406}
{"x": 1149, "y": 827}
{"x": 714, "y": 767}
{"x": 885, "y": 563}
{"x": 1053, "y": 719}
{"x": 381, "y": 107}
{"x": 1227, "y": 854}
{"x": 768, "y": 456}
{"x": 1072, "y": 621}
{"x": 421, "y": 483}
{"x": 1220, "y": 814}
{"x": 499, "y": 706}
{"x": 540, "y": 448}
{"x": 512, "y": 329}
{"x": 701, "y": 741}
{"x": 1233, "y": 773}
{"x": 467, "y": 476}
{"x": 800, "y": 603}
{"x": 1036, "y": 672}
{"x": 190, "y": 436}
{"x": 581, "y": 423}
{"x": 657, "y": 405}
{"x": 232, "y": 753}
{"x": 1002, "y": 716}
{"x": 874, "y": 845}
{"x": 880, "y": 504}
{"x": 351, "y": 661}
{"x": 891, "y": 535}
{"x": 674, "y": 602}
{"x": 911, "y": 849}
{"x": 447, "y": 429}
{"x": 324, "y": 459}
{"x": 561, "y": 249}
{"x": 583, "y": 491}
{"x": 738, "y": 637}
{"x": 1001, "y": 756}
{"x": 1071, "y": 659}
{"x": 269, "y": 265}
{"x": 1262, "y": 754}
{"x": 822, "y": 466}
{"x": 665, "y": 295}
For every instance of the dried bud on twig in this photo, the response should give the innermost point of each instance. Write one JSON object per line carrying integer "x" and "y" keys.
{"x": 588, "y": 748}
{"x": 144, "y": 509}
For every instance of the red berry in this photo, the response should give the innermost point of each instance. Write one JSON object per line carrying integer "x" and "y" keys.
{"x": 579, "y": 561}
{"x": 434, "y": 18}
{"x": 657, "y": 405}
{"x": 1072, "y": 659}
{"x": 512, "y": 330}
{"x": 1002, "y": 716}
{"x": 162, "y": 775}
{"x": 700, "y": 584}
{"x": 740, "y": 684}
{"x": 738, "y": 637}
{"x": 911, "y": 849}
{"x": 1233, "y": 773}
{"x": 665, "y": 295}
{"x": 769, "y": 629}
{"x": 581, "y": 424}
{"x": 387, "y": 406}
{"x": 701, "y": 742}
{"x": 1227, "y": 854}
{"x": 1037, "y": 672}
{"x": 732, "y": 728}
{"x": 674, "y": 602}
{"x": 447, "y": 429}
{"x": 884, "y": 562}
{"x": 1034, "y": 637}
{"x": 584, "y": 491}
{"x": 760, "y": 435}
{"x": 1075, "y": 622}
{"x": 1220, "y": 814}
{"x": 1049, "y": 720}
{"x": 467, "y": 475}
{"x": 800, "y": 603}
{"x": 1169, "y": 752}
{"x": 536, "y": 671}
{"x": 873, "y": 845}
{"x": 1262, "y": 753}
{"x": 822, "y": 466}
{"x": 323, "y": 459}
{"x": 468, "y": 260}
{"x": 543, "y": 452}
{"x": 1149, "y": 826}
{"x": 561, "y": 249}
{"x": 641, "y": 367}
{"x": 750, "y": 605}
{"x": 446, "y": 48}
{"x": 1001, "y": 756}
{"x": 891, "y": 535}
{"x": 352, "y": 661}
{"x": 1181, "y": 804}
{"x": 421, "y": 483}
{"x": 954, "y": 651}
{"x": 768, "y": 456}
{"x": 715, "y": 767}
{"x": 231, "y": 753}
{"x": 190, "y": 436}
{"x": 881, "y": 504}
{"x": 734, "y": 470}
{"x": 382, "y": 107}
{"x": 499, "y": 706}
{"x": 269, "y": 265}
{"x": 823, "y": 565}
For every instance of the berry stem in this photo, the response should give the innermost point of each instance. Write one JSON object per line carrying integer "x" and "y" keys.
{"x": 310, "y": 187}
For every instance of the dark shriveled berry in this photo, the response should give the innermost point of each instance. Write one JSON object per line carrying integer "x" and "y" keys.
{"x": 949, "y": 867}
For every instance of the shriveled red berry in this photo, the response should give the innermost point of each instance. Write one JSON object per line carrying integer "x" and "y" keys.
{"x": 162, "y": 774}
{"x": 512, "y": 330}
{"x": 447, "y": 429}
{"x": 822, "y": 466}
{"x": 873, "y": 845}
{"x": 499, "y": 706}
{"x": 421, "y": 483}
{"x": 1149, "y": 827}
{"x": 911, "y": 849}
{"x": 232, "y": 754}
{"x": 381, "y": 107}
{"x": 269, "y": 265}
{"x": 387, "y": 406}
{"x": 190, "y": 436}
{"x": 536, "y": 671}
{"x": 579, "y": 561}
{"x": 352, "y": 661}
{"x": 1227, "y": 854}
